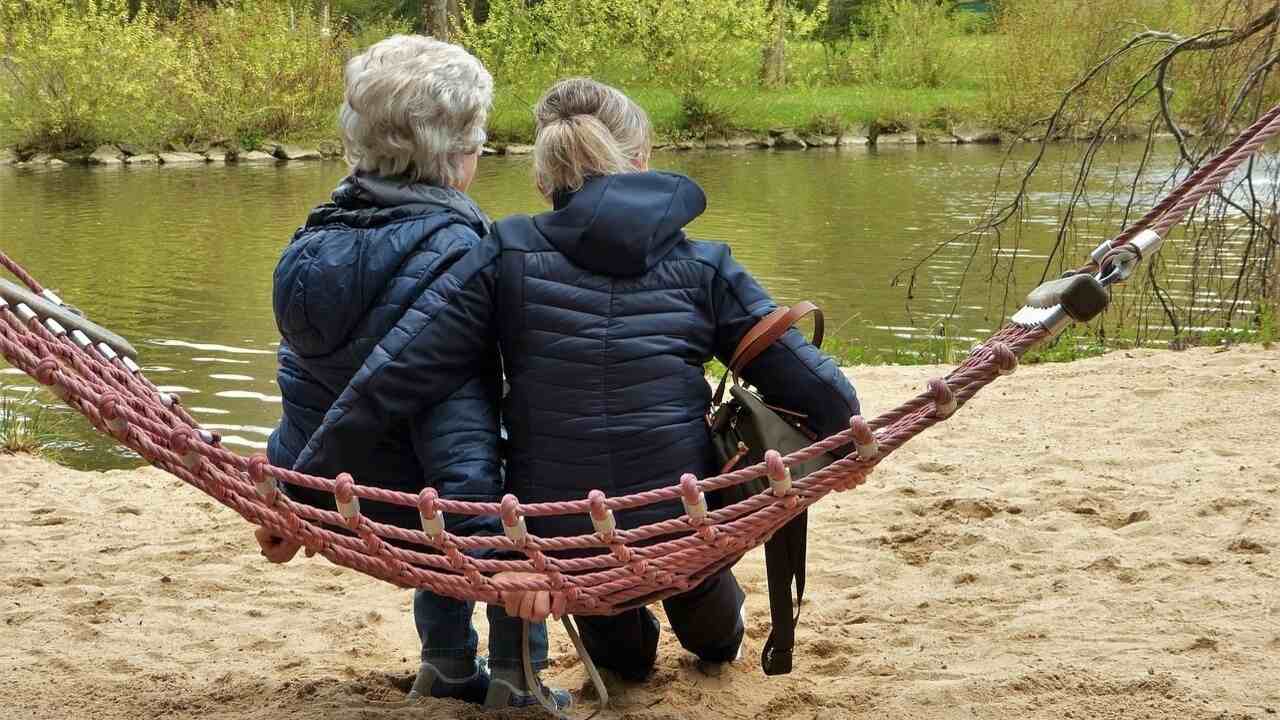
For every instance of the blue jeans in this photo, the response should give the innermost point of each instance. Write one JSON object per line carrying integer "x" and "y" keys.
{"x": 449, "y": 638}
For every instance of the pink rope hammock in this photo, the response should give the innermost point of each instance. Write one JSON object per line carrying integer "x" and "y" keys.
{"x": 612, "y": 569}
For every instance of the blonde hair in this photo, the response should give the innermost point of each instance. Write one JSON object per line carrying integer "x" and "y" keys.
{"x": 586, "y": 129}
{"x": 414, "y": 107}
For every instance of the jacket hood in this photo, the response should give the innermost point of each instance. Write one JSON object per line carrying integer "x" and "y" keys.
{"x": 351, "y": 250}
{"x": 361, "y": 198}
{"x": 623, "y": 224}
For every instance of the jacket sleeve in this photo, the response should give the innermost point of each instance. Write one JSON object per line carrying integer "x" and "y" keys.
{"x": 791, "y": 373}
{"x": 456, "y": 442}
{"x": 442, "y": 341}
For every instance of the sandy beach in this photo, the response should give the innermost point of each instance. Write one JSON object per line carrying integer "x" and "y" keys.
{"x": 1092, "y": 540}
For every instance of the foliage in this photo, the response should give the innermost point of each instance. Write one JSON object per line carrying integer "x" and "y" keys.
{"x": 80, "y": 76}
{"x": 1261, "y": 329}
{"x": 26, "y": 426}
{"x": 1035, "y": 61}
{"x": 702, "y": 117}
{"x": 911, "y": 42}
{"x": 259, "y": 69}
{"x": 825, "y": 123}
{"x": 369, "y": 30}
{"x": 1073, "y": 344}
{"x": 61, "y": 80}
{"x": 684, "y": 44}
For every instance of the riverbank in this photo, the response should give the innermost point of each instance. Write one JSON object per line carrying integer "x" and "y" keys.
{"x": 782, "y": 139}
{"x": 1096, "y": 539}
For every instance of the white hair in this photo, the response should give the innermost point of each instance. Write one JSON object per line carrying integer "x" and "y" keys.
{"x": 414, "y": 107}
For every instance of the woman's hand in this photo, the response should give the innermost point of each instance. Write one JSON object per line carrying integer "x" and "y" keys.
{"x": 531, "y": 605}
{"x": 275, "y": 548}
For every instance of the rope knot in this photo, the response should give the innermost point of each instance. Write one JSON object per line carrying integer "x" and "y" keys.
{"x": 1006, "y": 360}
{"x": 513, "y": 521}
{"x": 182, "y": 442}
{"x": 864, "y": 438}
{"x": 344, "y": 491}
{"x": 695, "y": 503}
{"x": 432, "y": 518}
{"x": 49, "y": 372}
{"x": 263, "y": 483}
{"x": 109, "y": 408}
{"x": 944, "y": 400}
{"x": 779, "y": 474}
{"x": 601, "y": 516}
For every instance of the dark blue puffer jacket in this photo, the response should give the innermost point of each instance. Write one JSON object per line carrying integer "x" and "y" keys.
{"x": 350, "y": 276}
{"x": 606, "y": 314}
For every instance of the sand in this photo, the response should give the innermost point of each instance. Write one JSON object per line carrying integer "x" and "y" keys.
{"x": 1093, "y": 540}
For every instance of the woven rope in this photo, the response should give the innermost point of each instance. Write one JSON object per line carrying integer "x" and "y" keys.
{"x": 610, "y": 570}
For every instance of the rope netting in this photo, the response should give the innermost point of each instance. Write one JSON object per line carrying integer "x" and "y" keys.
{"x": 605, "y": 571}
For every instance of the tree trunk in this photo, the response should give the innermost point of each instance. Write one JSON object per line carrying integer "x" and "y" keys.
{"x": 774, "y": 71}
{"x": 454, "y": 10}
{"x": 435, "y": 19}
{"x": 324, "y": 18}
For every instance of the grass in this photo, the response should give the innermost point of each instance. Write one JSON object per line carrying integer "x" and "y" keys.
{"x": 1262, "y": 330}
{"x": 820, "y": 97}
{"x": 26, "y": 426}
{"x": 755, "y": 110}
{"x": 1069, "y": 346}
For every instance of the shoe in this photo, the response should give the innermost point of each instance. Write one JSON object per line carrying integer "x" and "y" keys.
{"x": 715, "y": 668}
{"x": 503, "y": 694}
{"x": 430, "y": 682}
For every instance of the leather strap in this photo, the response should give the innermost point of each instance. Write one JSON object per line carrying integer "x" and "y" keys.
{"x": 765, "y": 333}
{"x": 773, "y": 326}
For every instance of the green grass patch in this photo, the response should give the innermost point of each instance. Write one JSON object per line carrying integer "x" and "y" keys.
{"x": 26, "y": 426}
{"x": 1262, "y": 329}
{"x": 756, "y": 110}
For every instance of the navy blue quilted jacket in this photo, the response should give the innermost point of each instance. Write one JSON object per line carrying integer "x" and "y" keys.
{"x": 347, "y": 279}
{"x": 605, "y": 313}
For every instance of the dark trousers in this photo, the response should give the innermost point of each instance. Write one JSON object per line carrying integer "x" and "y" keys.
{"x": 706, "y": 620}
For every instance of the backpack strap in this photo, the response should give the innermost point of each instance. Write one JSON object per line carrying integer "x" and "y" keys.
{"x": 784, "y": 559}
{"x": 775, "y": 325}
{"x": 765, "y": 333}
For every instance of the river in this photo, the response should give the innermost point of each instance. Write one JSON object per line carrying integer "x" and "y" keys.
{"x": 179, "y": 259}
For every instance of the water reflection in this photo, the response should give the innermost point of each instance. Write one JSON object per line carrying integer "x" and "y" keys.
{"x": 179, "y": 260}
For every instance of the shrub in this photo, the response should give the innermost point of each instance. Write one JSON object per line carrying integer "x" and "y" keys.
{"x": 703, "y": 118}
{"x": 74, "y": 77}
{"x": 825, "y": 123}
{"x": 1035, "y": 58}
{"x": 684, "y": 45}
{"x": 912, "y": 42}
{"x": 260, "y": 69}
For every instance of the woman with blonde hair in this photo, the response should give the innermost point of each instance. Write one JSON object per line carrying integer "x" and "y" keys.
{"x": 605, "y": 314}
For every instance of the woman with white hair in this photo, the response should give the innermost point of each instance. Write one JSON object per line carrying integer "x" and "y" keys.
{"x": 412, "y": 125}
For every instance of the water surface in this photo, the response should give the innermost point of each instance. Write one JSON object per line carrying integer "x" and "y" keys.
{"x": 179, "y": 259}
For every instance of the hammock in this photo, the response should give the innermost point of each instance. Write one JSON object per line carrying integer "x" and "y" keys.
{"x": 612, "y": 569}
